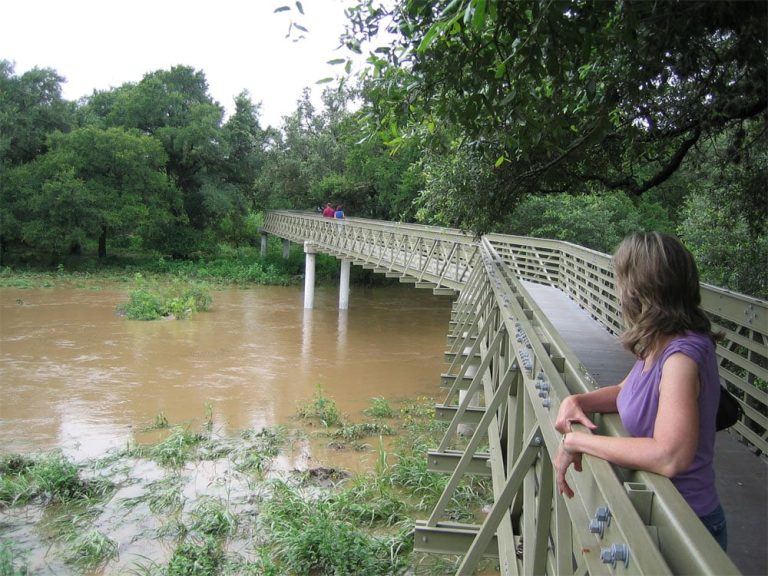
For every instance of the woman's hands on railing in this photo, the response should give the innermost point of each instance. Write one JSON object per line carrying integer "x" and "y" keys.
{"x": 563, "y": 460}
{"x": 570, "y": 412}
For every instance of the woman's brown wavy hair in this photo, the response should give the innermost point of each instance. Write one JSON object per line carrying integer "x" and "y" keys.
{"x": 658, "y": 286}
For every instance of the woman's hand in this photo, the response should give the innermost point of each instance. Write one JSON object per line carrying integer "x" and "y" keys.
{"x": 570, "y": 411}
{"x": 563, "y": 460}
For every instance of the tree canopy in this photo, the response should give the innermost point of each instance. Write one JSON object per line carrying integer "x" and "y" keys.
{"x": 580, "y": 120}
{"x": 567, "y": 95}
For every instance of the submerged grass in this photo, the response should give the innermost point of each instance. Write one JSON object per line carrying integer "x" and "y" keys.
{"x": 10, "y": 564}
{"x": 161, "y": 496}
{"x": 212, "y": 517}
{"x": 50, "y": 478}
{"x": 350, "y": 432}
{"x": 91, "y": 550}
{"x": 322, "y": 409}
{"x": 196, "y": 557}
{"x": 312, "y": 534}
{"x": 380, "y": 408}
{"x": 326, "y": 523}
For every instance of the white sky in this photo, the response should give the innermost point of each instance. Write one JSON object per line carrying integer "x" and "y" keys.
{"x": 238, "y": 44}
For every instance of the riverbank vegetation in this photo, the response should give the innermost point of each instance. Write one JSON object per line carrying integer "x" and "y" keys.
{"x": 152, "y": 301}
{"x": 195, "y": 502}
{"x": 633, "y": 118}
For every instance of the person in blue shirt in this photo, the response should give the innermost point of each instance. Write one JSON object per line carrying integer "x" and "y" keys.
{"x": 339, "y": 214}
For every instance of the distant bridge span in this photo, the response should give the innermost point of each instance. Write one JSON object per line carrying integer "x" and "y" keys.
{"x": 534, "y": 321}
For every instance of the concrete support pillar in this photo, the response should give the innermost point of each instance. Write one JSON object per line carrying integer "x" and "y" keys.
{"x": 264, "y": 237}
{"x": 306, "y": 341}
{"x": 309, "y": 275}
{"x": 344, "y": 285}
{"x": 286, "y": 248}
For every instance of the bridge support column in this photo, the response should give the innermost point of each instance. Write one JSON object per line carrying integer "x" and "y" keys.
{"x": 286, "y": 248}
{"x": 264, "y": 237}
{"x": 344, "y": 285}
{"x": 309, "y": 275}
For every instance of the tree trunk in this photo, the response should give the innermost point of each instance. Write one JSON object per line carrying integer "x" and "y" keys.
{"x": 103, "y": 242}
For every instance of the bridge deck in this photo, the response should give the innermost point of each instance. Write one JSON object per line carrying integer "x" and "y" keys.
{"x": 742, "y": 477}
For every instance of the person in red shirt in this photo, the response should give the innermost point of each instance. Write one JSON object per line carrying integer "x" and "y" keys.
{"x": 328, "y": 211}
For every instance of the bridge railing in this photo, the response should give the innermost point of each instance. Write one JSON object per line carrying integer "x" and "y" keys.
{"x": 587, "y": 277}
{"x": 509, "y": 370}
{"x": 439, "y": 258}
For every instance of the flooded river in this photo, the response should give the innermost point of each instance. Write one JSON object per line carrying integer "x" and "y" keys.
{"x": 76, "y": 376}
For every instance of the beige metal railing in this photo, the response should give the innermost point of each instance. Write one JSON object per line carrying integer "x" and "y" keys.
{"x": 587, "y": 277}
{"x": 506, "y": 356}
{"x": 431, "y": 257}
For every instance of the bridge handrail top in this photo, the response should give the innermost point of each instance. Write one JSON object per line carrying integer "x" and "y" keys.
{"x": 454, "y": 233}
{"x": 532, "y": 240}
{"x": 708, "y": 290}
{"x": 497, "y": 237}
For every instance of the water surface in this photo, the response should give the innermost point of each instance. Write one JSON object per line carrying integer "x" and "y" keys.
{"x": 76, "y": 376}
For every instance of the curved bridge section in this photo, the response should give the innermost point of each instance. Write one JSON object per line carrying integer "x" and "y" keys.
{"x": 430, "y": 257}
{"x": 511, "y": 360}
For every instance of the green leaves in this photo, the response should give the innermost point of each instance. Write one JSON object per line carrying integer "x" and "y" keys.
{"x": 566, "y": 95}
{"x": 474, "y": 15}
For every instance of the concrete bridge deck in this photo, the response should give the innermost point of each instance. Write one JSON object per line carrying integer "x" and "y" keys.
{"x": 742, "y": 477}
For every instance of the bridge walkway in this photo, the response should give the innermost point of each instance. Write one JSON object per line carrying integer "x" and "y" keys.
{"x": 742, "y": 477}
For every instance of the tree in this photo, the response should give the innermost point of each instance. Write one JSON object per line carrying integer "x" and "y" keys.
{"x": 724, "y": 220}
{"x": 596, "y": 221}
{"x": 245, "y": 143}
{"x": 90, "y": 185}
{"x": 31, "y": 107}
{"x": 310, "y": 149}
{"x": 570, "y": 95}
{"x": 174, "y": 107}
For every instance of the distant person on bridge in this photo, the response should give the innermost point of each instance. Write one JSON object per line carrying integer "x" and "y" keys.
{"x": 668, "y": 401}
{"x": 328, "y": 211}
{"x": 339, "y": 214}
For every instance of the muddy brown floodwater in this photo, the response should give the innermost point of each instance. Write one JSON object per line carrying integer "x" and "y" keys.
{"x": 76, "y": 376}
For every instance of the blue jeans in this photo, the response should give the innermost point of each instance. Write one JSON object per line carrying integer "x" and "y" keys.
{"x": 717, "y": 526}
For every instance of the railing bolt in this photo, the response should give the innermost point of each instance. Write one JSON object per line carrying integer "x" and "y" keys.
{"x": 603, "y": 514}
{"x": 616, "y": 553}
{"x": 546, "y": 402}
{"x": 601, "y": 520}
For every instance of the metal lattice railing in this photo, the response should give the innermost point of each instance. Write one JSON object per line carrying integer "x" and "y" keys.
{"x": 587, "y": 277}
{"x": 503, "y": 348}
{"x": 430, "y": 257}
{"x": 509, "y": 370}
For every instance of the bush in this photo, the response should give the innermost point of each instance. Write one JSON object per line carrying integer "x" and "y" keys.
{"x": 177, "y": 300}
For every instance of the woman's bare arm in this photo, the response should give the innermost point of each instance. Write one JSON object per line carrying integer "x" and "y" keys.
{"x": 675, "y": 437}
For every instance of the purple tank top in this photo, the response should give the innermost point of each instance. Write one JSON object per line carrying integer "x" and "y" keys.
{"x": 638, "y": 403}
